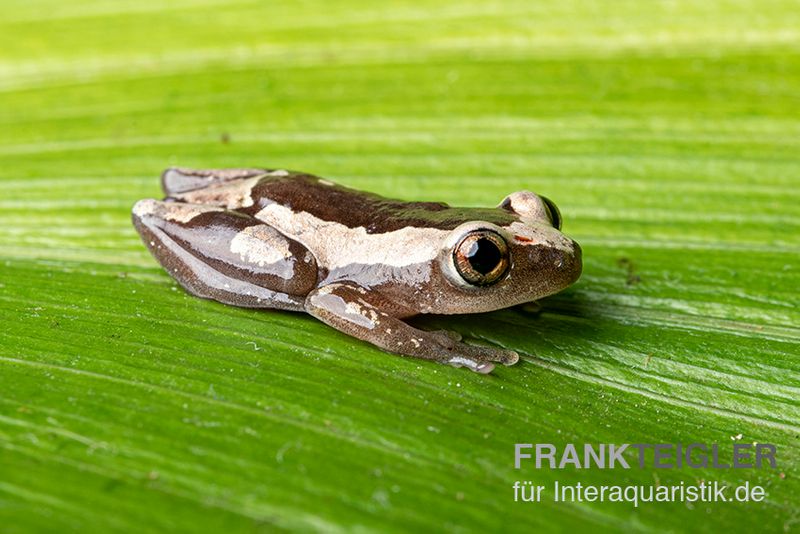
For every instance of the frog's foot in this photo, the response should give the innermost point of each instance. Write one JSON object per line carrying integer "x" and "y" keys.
{"x": 482, "y": 362}
{"x": 177, "y": 180}
{"x": 360, "y": 313}
{"x": 477, "y": 358}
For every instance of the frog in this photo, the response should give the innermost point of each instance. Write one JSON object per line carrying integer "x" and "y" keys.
{"x": 357, "y": 261}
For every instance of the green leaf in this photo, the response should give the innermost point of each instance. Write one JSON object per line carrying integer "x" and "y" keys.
{"x": 668, "y": 134}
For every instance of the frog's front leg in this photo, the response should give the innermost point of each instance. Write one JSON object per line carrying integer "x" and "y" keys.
{"x": 361, "y": 313}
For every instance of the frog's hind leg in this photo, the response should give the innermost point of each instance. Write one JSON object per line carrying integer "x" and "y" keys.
{"x": 177, "y": 180}
{"x": 226, "y": 256}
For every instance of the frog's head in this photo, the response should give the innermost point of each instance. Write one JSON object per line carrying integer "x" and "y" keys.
{"x": 494, "y": 266}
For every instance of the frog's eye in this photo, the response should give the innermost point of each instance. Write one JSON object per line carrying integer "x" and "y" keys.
{"x": 552, "y": 212}
{"x": 481, "y": 257}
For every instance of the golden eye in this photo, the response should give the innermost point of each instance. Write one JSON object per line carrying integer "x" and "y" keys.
{"x": 481, "y": 257}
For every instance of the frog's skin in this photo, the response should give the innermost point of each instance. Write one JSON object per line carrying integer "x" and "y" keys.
{"x": 359, "y": 262}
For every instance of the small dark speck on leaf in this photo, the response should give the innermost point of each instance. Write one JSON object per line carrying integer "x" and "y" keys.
{"x": 627, "y": 264}
{"x": 112, "y": 484}
{"x": 225, "y": 138}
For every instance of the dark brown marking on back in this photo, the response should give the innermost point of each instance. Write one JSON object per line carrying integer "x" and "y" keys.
{"x": 353, "y": 208}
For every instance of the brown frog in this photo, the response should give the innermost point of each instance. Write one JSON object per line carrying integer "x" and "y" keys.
{"x": 357, "y": 261}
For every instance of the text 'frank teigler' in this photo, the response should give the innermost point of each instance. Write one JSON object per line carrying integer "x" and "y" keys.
{"x": 645, "y": 455}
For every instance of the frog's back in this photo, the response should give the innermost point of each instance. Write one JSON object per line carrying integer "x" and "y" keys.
{"x": 331, "y": 202}
{"x": 250, "y": 191}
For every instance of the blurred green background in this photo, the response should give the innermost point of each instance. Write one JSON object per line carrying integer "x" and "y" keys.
{"x": 667, "y": 132}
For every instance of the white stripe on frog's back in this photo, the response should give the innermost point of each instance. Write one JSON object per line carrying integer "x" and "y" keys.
{"x": 336, "y": 245}
{"x": 232, "y": 195}
{"x": 171, "y": 211}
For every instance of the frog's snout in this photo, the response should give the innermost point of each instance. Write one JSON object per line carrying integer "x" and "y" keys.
{"x": 572, "y": 264}
{"x": 563, "y": 263}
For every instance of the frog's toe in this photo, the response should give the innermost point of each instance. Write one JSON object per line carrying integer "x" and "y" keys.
{"x": 480, "y": 367}
{"x": 506, "y": 357}
{"x": 481, "y": 359}
{"x": 502, "y": 356}
{"x": 484, "y": 368}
